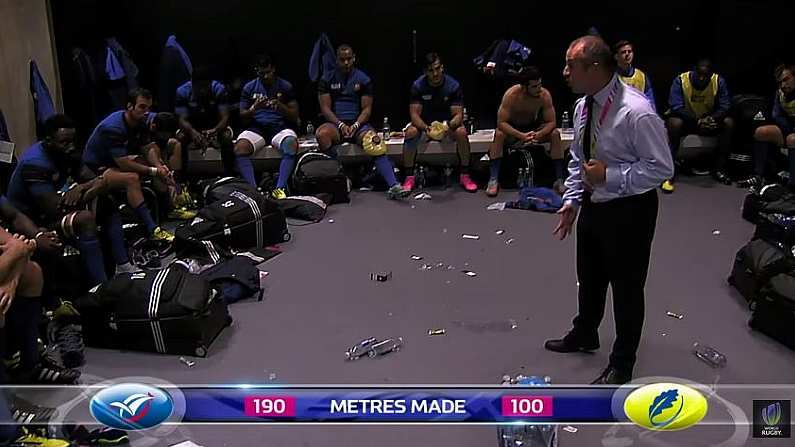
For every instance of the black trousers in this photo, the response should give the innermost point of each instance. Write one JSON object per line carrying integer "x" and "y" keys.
{"x": 613, "y": 248}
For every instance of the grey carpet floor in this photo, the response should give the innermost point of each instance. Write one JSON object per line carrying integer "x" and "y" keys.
{"x": 320, "y": 300}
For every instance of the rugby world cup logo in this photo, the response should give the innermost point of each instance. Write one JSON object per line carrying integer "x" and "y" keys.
{"x": 131, "y": 406}
{"x": 771, "y": 414}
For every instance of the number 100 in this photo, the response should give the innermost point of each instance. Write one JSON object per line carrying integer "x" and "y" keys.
{"x": 527, "y": 406}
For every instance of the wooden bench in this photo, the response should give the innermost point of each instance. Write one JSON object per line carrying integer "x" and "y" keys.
{"x": 434, "y": 153}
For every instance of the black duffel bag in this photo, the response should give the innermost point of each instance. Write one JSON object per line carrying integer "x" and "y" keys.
{"x": 774, "y": 311}
{"x": 770, "y": 199}
{"x": 757, "y": 262}
{"x": 220, "y": 188}
{"x": 238, "y": 222}
{"x": 777, "y": 228}
{"x": 168, "y": 311}
{"x": 317, "y": 173}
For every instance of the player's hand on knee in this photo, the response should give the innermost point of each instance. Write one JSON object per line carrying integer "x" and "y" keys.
{"x": 163, "y": 172}
{"x": 72, "y": 197}
{"x": 14, "y": 246}
{"x": 48, "y": 241}
{"x": 8, "y": 291}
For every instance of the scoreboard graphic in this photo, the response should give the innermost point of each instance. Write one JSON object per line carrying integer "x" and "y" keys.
{"x": 659, "y": 406}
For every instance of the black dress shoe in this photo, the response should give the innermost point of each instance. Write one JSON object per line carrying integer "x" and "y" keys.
{"x": 571, "y": 344}
{"x": 612, "y": 376}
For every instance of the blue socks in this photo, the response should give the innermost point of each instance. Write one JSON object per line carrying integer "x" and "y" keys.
{"x": 385, "y": 169}
{"x": 116, "y": 235}
{"x": 285, "y": 169}
{"x": 246, "y": 169}
{"x": 142, "y": 211}
{"x": 494, "y": 167}
{"x": 93, "y": 259}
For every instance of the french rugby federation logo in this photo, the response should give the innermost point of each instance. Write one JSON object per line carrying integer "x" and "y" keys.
{"x": 131, "y": 406}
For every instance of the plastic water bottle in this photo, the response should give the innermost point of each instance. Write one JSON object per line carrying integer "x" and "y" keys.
{"x": 565, "y": 122}
{"x": 386, "y": 129}
{"x": 709, "y": 355}
{"x": 310, "y": 132}
{"x": 527, "y": 435}
{"x": 419, "y": 178}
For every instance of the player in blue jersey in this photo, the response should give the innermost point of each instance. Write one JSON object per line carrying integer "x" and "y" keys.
{"x": 346, "y": 102}
{"x": 268, "y": 103}
{"x": 202, "y": 105}
{"x": 437, "y": 112}
{"x": 37, "y": 189}
{"x": 114, "y": 150}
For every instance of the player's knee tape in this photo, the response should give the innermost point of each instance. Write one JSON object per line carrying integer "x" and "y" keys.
{"x": 67, "y": 225}
{"x": 289, "y": 146}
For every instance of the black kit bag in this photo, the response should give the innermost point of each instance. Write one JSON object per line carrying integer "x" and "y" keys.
{"x": 307, "y": 208}
{"x": 239, "y": 222}
{"x": 220, "y": 188}
{"x": 317, "y": 173}
{"x": 168, "y": 311}
{"x": 769, "y": 199}
{"x": 777, "y": 228}
{"x": 756, "y": 263}
{"x": 774, "y": 311}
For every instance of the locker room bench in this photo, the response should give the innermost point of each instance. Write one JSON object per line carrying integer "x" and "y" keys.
{"x": 267, "y": 158}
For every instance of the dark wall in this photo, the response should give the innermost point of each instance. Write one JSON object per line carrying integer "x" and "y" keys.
{"x": 745, "y": 38}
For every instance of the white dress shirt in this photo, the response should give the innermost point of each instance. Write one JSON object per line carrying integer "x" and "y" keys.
{"x": 632, "y": 142}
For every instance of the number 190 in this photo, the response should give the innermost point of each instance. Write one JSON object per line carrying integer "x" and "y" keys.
{"x": 270, "y": 406}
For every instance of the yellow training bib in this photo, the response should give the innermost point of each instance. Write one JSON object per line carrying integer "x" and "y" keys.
{"x": 637, "y": 80}
{"x": 789, "y": 107}
{"x": 700, "y": 102}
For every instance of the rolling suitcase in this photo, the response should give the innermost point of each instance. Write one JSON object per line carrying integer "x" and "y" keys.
{"x": 774, "y": 311}
{"x": 168, "y": 311}
{"x": 238, "y": 222}
{"x": 756, "y": 263}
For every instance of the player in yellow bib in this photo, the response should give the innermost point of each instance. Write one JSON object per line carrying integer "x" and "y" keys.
{"x": 781, "y": 133}
{"x": 624, "y": 53}
{"x": 699, "y": 104}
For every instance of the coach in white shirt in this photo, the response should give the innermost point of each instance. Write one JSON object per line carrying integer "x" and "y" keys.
{"x": 619, "y": 156}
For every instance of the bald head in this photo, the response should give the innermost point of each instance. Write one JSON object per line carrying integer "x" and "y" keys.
{"x": 589, "y": 65}
{"x": 594, "y": 50}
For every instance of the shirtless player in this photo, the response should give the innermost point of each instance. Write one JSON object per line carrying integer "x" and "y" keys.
{"x": 526, "y": 116}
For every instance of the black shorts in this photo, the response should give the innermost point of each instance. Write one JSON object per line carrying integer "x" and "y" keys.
{"x": 690, "y": 126}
